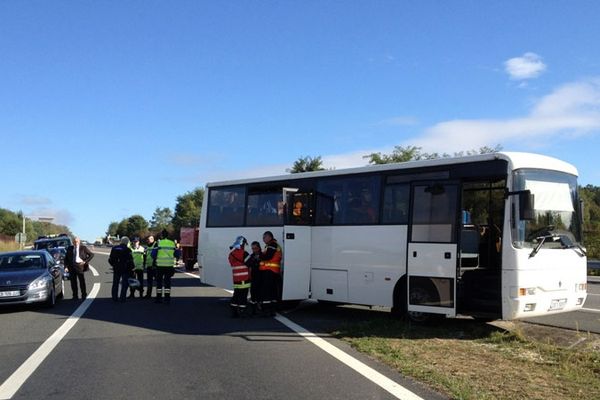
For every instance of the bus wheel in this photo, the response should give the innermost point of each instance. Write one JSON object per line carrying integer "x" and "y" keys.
{"x": 420, "y": 295}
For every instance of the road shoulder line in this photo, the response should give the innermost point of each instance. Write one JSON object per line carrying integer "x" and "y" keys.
{"x": 379, "y": 379}
{"x": 20, "y": 376}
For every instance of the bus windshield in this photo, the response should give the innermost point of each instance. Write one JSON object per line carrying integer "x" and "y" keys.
{"x": 556, "y": 211}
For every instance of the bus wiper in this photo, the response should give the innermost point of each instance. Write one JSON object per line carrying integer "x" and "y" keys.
{"x": 569, "y": 244}
{"x": 537, "y": 248}
{"x": 541, "y": 240}
{"x": 581, "y": 252}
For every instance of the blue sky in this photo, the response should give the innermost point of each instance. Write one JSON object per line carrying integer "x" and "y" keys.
{"x": 110, "y": 108}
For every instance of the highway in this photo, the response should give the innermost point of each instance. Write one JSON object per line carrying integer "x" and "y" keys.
{"x": 586, "y": 320}
{"x": 186, "y": 350}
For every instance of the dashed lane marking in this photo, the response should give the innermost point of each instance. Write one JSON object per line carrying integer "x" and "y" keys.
{"x": 18, "y": 378}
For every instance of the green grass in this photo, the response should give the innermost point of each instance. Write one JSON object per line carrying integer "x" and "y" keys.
{"x": 8, "y": 246}
{"x": 469, "y": 360}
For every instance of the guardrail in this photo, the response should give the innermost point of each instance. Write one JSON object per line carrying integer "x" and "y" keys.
{"x": 593, "y": 264}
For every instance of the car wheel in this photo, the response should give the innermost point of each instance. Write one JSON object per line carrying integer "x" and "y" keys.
{"x": 419, "y": 295}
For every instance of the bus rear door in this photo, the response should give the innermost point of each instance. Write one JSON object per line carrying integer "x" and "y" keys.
{"x": 432, "y": 249}
{"x": 297, "y": 245}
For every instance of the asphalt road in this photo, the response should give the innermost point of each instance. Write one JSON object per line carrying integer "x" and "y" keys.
{"x": 586, "y": 320}
{"x": 186, "y": 350}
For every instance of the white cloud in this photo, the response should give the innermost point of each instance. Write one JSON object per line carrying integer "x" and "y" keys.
{"x": 570, "y": 110}
{"x": 34, "y": 200}
{"x": 528, "y": 66}
{"x": 61, "y": 217}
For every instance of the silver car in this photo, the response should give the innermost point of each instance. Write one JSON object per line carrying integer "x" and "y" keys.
{"x": 30, "y": 277}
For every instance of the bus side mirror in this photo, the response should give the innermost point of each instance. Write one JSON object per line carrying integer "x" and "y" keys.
{"x": 526, "y": 205}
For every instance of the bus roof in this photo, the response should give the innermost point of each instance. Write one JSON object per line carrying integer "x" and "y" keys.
{"x": 516, "y": 160}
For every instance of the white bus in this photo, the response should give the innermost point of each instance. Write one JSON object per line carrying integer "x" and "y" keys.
{"x": 490, "y": 236}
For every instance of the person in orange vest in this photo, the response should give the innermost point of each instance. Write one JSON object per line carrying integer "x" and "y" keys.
{"x": 270, "y": 273}
{"x": 241, "y": 277}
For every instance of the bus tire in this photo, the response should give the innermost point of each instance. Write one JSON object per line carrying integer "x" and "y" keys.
{"x": 423, "y": 294}
{"x": 399, "y": 309}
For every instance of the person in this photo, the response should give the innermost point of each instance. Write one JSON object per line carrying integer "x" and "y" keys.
{"x": 137, "y": 252}
{"x": 164, "y": 254}
{"x": 149, "y": 266}
{"x": 270, "y": 273}
{"x": 77, "y": 261}
{"x": 253, "y": 263}
{"x": 241, "y": 277}
{"x": 121, "y": 260}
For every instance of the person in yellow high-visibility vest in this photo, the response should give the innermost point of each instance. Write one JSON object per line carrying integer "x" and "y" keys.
{"x": 137, "y": 251}
{"x": 164, "y": 254}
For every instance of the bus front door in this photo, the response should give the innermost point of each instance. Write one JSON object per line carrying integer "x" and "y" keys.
{"x": 297, "y": 246}
{"x": 432, "y": 249}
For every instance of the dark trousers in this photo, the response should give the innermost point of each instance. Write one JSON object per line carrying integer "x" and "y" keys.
{"x": 163, "y": 280}
{"x": 255, "y": 289}
{"x": 269, "y": 286}
{"x": 150, "y": 278}
{"x": 122, "y": 277}
{"x": 78, "y": 276}
{"x": 239, "y": 301}
{"x": 139, "y": 275}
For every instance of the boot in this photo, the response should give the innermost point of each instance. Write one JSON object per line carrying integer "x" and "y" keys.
{"x": 131, "y": 295}
{"x": 148, "y": 293}
{"x": 158, "y": 298}
{"x": 167, "y": 298}
{"x": 234, "y": 311}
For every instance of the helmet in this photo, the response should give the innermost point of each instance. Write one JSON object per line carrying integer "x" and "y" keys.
{"x": 133, "y": 283}
{"x": 239, "y": 242}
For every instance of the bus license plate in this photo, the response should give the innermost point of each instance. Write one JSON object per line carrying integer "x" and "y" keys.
{"x": 558, "y": 304}
{"x": 11, "y": 293}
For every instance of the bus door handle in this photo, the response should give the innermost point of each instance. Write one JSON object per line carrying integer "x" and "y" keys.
{"x": 414, "y": 254}
{"x": 290, "y": 236}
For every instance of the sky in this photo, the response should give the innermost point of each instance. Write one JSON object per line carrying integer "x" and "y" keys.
{"x": 114, "y": 108}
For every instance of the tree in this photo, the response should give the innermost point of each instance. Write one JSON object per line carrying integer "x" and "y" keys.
{"x": 161, "y": 219}
{"x": 137, "y": 226}
{"x": 112, "y": 228}
{"x": 10, "y": 222}
{"x": 187, "y": 209}
{"x": 306, "y": 164}
{"x": 414, "y": 153}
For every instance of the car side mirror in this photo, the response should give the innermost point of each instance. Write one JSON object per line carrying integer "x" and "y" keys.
{"x": 526, "y": 205}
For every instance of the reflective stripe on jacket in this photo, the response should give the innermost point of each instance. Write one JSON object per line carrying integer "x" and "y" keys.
{"x": 273, "y": 263}
{"x": 165, "y": 254}
{"x": 241, "y": 273}
{"x": 138, "y": 258}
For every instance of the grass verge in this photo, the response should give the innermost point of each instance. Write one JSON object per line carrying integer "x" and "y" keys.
{"x": 470, "y": 360}
{"x": 8, "y": 246}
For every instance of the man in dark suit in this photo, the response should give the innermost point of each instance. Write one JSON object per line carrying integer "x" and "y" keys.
{"x": 77, "y": 261}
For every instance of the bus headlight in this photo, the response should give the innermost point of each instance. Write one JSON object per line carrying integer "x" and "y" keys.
{"x": 581, "y": 287}
{"x": 529, "y": 307}
{"x": 527, "y": 291}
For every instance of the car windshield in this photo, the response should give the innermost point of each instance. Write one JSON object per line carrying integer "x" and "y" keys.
{"x": 21, "y": 261}
{"x": 556, "y": 211}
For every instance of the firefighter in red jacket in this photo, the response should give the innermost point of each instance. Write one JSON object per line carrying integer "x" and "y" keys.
{"x": 241, "y": 277}
{"x": 270, "y": 273}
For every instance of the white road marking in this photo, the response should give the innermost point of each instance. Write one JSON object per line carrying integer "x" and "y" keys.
{"x": 101, "y": 252}
{"x": 593, "y": 294}
{"x": 379, "y": 379}
{"x": 94, "y": 271}
{"x": 18, "y": 378}
{"x": 592, "y": 310}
